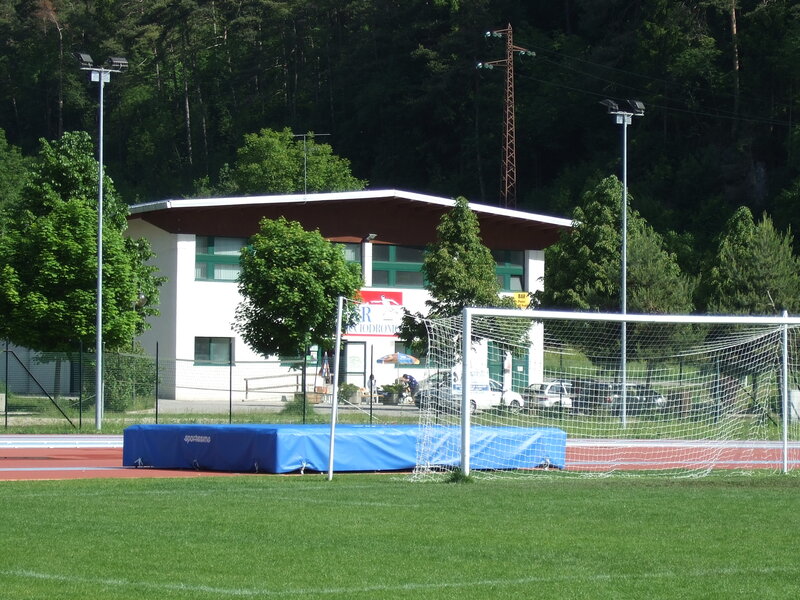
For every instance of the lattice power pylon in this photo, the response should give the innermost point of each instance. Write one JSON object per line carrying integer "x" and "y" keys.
{"x": 508, "y": 192}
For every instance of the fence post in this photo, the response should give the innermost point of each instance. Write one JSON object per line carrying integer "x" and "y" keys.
{"x": 5, "y": 397}
{"x": 304, "y": 381}
{"x": 80, "y": 384}
{"x": 156, "y": 383}
{"x": 230, "y": 380}
{"x": 337, "y": 355}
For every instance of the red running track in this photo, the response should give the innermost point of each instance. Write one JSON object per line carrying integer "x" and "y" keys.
{"x": 78, "y": 463}
{"x": 85, "y": 457}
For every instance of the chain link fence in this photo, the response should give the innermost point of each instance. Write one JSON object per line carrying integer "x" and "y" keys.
{"x": 50, "y": 391}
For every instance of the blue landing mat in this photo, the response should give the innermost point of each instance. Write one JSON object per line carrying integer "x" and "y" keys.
{"x": 290, "y": 448}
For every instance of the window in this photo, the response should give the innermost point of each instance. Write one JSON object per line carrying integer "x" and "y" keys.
{"x": 352, "y": 252}
{"x": 213, "y": 350}
{"x": 510, "y": 269}
{"x": 217, "y": 258}
{"x": 397, "y": 266}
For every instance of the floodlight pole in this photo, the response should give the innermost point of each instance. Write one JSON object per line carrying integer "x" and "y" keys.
{"x": 625, "y": 120}
{"x": 102, "y": 75}
{"x": 623, "y": 117}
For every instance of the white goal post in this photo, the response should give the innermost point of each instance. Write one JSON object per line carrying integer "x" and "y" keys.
{"x": 684, "y": 395}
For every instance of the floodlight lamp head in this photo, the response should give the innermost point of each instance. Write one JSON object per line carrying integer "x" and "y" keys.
{"x": 637, "y": 107}
{"x": 611, "y": 106}
{"x": 84, "y": 59}
{"x": 117, "y": 63}
{"x": 370, "y": 236}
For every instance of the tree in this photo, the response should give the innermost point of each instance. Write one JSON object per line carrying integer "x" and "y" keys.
{"x": 406, "y": 106}
{"x": 290, "y": 281}
{"x": 277, "y": 162}
{"x": 656, "y": 283}
{"x": 48, "y": 258}
{"x": 583, "y": 270}
{"x": 13, "y": 171}
{"x": 459, "y": 271}
{"x": 754, "y": 270}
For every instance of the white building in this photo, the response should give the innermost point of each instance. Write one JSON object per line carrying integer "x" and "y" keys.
{"x": 197, "y": 243}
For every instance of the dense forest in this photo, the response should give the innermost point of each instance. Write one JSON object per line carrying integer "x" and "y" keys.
{"x": 393, "y": 86}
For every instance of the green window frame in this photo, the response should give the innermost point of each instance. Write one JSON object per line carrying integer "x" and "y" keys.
{"x": 397, "y": 266}
{"x": 217, "y": 258}
{"x": 510, "y": 269}
{"x": 213, "y": 351}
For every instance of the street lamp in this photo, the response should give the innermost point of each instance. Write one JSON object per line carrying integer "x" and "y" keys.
{"x": 102, "y": 75}
{"x": 623, "y": 112}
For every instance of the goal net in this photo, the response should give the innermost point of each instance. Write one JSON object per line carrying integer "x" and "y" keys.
{"x": 515, "y": 391}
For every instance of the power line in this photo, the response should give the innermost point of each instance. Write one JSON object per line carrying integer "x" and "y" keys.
{"x": 719, "y": 113}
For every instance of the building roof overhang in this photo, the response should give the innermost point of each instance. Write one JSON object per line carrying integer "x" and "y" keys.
{"x": 395, "y": 217}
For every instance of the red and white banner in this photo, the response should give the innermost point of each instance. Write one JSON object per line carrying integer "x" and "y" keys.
{"x": 381, "y": 314}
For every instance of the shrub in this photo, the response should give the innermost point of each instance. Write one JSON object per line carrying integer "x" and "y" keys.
{"x": 347, "y": 391}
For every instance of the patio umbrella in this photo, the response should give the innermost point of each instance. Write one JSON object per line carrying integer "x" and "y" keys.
{"x": 325, "y": 370}
{"x": 398, "y": 358}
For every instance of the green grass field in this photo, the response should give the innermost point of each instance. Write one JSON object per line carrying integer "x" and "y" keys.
{"x": 382, "y": 536}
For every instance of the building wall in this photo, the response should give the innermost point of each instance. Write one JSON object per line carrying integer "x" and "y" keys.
{"x": 534, "y": 282}
{"x": 191, "y": 308}
{"x": 165, "y": 247}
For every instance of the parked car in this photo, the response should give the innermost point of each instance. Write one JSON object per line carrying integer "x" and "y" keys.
{"x": 639, "y": 399}
{"x": 507, "y": 399}
{"x": 441, "y": 395}
{"x": 548, "y": 395}
{"x": 433, "y": 388}
{"x": 592, "y": 395}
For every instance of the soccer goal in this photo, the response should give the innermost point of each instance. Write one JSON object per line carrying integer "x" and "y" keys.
{"x": 515, "y": 391}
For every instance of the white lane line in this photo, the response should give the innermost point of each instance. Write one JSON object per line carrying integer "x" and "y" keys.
{"x": 411, "y": 586}
{"x": 49, "y": 469}
{"x": 60, "y": 441}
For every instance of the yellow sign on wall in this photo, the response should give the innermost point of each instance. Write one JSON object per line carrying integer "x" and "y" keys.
{"x": 522, "y": 299}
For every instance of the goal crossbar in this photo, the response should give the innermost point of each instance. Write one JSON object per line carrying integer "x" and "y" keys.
{"x": 785, "y": 319}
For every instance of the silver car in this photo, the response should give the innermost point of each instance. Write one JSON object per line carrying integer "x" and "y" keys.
{"x": 549, "y": 394}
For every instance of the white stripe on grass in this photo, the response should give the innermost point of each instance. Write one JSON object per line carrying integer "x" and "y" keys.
{"x": 284, "y": 496}
{"x": 367, "y": 589}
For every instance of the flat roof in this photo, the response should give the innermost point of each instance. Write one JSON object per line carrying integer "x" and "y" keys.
{"x": 395, "y": 216}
